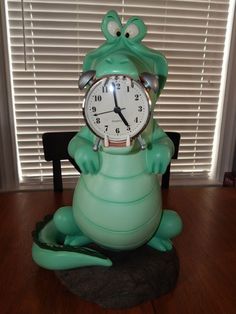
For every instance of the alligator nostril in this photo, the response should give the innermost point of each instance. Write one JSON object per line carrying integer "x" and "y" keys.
{"x": 124, "y": 61}
{"x": 109, "y": 60}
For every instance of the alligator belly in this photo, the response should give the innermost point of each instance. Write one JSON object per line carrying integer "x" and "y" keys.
{"x": 118, "y": 213}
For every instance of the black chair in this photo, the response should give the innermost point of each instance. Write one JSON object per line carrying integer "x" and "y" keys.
{"x": 55, "y": 149}
{"x": 175, "y": 137}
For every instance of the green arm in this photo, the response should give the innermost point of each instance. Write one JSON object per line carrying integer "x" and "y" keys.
{"x": 159, "y": 137}
{"x": 81, "y": 149}
{"x": 159, "y": 152}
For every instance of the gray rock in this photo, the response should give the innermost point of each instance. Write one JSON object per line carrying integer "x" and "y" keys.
{"x": 135, "y": 277}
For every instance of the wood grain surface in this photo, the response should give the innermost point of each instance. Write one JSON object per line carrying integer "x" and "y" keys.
{"x": 206, "y": 248}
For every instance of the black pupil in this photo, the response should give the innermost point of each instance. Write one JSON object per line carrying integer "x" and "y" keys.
{"x": 127, "y": 35}
{"x": 118, "y": 33}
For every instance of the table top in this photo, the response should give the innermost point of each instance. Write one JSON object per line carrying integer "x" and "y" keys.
{"x": 206, "y": 249}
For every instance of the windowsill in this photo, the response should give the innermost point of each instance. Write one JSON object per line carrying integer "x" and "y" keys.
{"x": 193, "y": 181}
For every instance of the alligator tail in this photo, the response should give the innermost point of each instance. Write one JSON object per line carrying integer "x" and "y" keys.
{"x": 49, "y": 252}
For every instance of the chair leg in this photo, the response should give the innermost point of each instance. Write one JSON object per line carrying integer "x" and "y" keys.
{"x": 166, "y": 178}
{"x": 57, "y": 178}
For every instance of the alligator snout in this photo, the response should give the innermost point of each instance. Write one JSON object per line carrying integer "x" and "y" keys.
{"x": 117, "y": 64}
{"x": 113, "y": 60}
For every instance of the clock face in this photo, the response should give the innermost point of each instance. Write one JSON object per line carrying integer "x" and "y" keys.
{"x": 117, "y": 108}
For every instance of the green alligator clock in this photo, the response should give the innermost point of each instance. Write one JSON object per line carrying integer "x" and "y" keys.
{"x": 117, "y": 201}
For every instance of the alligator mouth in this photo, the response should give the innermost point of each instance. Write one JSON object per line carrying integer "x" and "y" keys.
{"x": 117, "y": 148}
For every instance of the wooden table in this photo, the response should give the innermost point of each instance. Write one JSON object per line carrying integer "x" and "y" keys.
{"x": 206, "y": 248}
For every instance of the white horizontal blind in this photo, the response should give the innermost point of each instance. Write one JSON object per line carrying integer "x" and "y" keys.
{"x": 58, "y": 34}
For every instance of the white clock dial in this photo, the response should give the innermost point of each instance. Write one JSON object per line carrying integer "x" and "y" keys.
{"x": 116, "y": 107}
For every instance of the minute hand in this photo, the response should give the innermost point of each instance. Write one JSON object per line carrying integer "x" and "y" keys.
{"x": 117, "y": 109}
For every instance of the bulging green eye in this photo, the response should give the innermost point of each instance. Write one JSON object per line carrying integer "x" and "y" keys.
{"x": 114, "y": 29}
{"x": 131, "y": 31}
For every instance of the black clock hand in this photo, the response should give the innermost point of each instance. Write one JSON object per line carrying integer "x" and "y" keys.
{"x": 98, "y": 114}
{"x": 123, "y": 119}
{"x": 114, "y": 95}
{"x": 117, "y": 109}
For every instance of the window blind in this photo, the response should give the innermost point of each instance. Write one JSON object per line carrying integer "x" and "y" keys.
{"x": 48, "y": 40}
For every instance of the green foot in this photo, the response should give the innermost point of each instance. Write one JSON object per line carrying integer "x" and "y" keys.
{"x": 161, "y": 244}
{"x": 170, "y": 226}
{"x": 74, "y": 240}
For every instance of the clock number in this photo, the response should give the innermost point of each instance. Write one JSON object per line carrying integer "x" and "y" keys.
{"x": 97, "y": 97}
{"x": 127, "y": 89}
{"x": 136, "y": 120}
{"x": 136, "y": 97}
{"x": 117, "y": 85}
{"x": 94, "y": 109}
{"x": 104, "y": 89}
{"x": 117, "y": 130}
{"x": 106, "y": 127}
{"x": 140, "y": 108}
{"x": 98, "y": 120}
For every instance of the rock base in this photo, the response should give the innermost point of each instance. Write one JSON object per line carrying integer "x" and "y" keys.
{"x": 135, "y": 277}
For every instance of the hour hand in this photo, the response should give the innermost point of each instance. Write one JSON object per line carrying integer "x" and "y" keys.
{"x": 118, "y": 111}
{"x": 123, "y": 119}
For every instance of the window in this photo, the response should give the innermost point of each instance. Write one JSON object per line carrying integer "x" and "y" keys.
{"x": 48, "y": 40}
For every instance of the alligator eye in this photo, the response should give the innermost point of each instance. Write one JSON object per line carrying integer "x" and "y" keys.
{"x": 132, "y": 31}
{"x": 113, "y": 28}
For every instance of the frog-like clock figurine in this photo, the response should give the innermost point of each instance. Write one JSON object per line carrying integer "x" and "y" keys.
{"x": 117, "y": 200}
